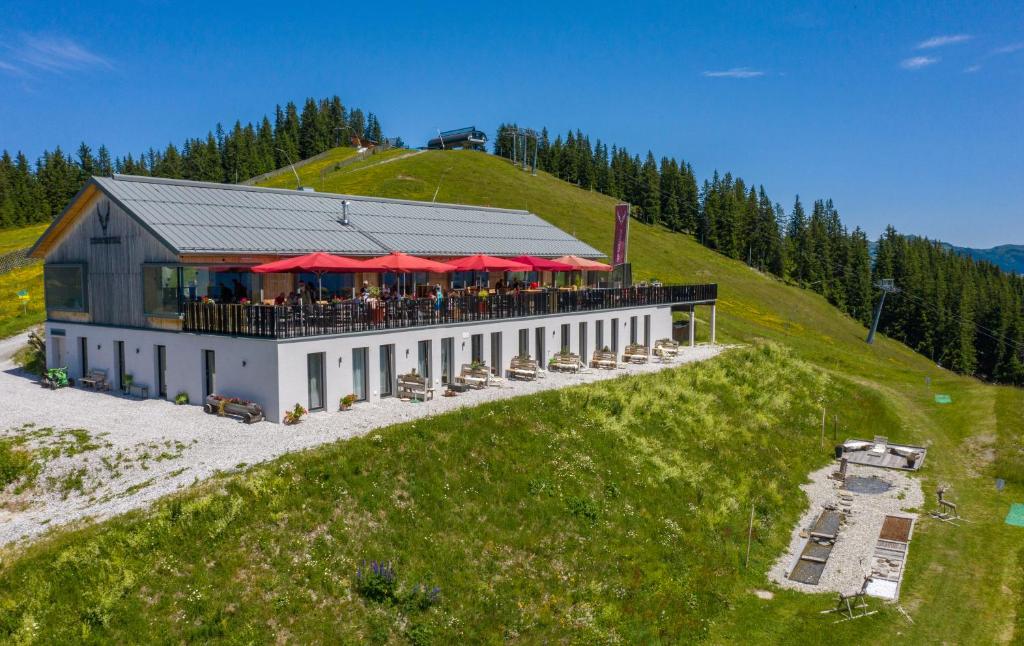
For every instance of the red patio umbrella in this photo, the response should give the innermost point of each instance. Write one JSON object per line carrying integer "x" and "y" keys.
{"x": 583, "y": 264}
{"x": 318, "y": 263}
{"x": 480, "y": 262}
{"x": 399, "y": 262}
{"x": 543, "y": 264}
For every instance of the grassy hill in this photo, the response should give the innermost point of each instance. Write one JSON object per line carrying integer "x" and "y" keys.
{"x": 608, "y": 512}
{"x": 13, "y": 315}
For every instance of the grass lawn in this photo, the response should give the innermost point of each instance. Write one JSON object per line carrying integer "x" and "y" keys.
{"x": 21, "y": 238}
{"x": 13, "y": 317}
{"x": 318, "y": 174}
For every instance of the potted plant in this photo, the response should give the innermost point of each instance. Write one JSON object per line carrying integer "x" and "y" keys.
{"x": 347, "y": 401}
{"x": 181, "y": 398}
{"x": 126, "y": 382}
{"x": 294, "y": 415}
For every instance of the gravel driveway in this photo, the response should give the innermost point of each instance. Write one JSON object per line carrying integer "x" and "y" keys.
{"x": 133, "y": 452}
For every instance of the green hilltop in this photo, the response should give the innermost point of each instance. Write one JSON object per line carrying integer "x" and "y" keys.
{"x": 610, "y": 512}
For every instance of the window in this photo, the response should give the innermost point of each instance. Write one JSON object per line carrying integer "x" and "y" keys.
{"x": 566, "y": 340}
{"x": 632, "y": 329}
{"x": 461, "y": 279}
{"x": 615, "y": 335}
{"x": 119, "y": 359}
{"x": 83, "y": 351}
{"x": 315, "y": 380}
{"x": 339, "y": 285}
{"x": 160, "y": 290}
{"x": 583, "y": 340}
{"x": 423, "y": 354}
{"x": 647, "y": 330}
{"x": 209, "y": 373}
{"x": 222, "y": 286}
{"x": 599, "y": 335}
{"x": 387, "y": 370}
{"x": 477, "y": 345}
{"x": 524, "y": 342}
{"x": 539, "y": 347}
{"x": 65, "y": 287}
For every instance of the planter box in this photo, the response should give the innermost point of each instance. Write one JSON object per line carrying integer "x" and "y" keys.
{"x": 248, "y": 412}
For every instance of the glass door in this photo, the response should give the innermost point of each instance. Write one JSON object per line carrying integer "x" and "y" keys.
{"x": 387, "y": 370}
{"x": 583, "y": 341}
{"x": 599, "y": 335}
{"x": 83, "y": 344}
{"x": 119, "y": 349}
{"x": 615, "y": 335}
{"x": 539, "y": 349}
{"x": 359, "y": 389}
{"x": 647, "y": 330}
{"x": 496, "y": 353}
{"x": 209, "y": 373}
{"x": 423, "y": 359}
{"x": 447, "y": 355}
{"x": 477, "y": 344}
{"x": 315, "y": 380}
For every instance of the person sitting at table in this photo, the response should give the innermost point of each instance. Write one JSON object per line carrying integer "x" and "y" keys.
{"x": 534, "y": 285}
{"x": 365, "y": 289}
{"x": 279, "y": 300}
{"x": 500, "y": 285}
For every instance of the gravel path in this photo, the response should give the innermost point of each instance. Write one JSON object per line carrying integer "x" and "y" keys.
{"x": 851, "y": 558}
{"x": 137, "y": 451}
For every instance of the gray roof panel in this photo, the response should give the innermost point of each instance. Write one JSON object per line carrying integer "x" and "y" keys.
{"x": 195, "y": 217}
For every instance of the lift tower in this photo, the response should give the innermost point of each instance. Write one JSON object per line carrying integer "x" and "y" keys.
{"x": 888, "y": 286}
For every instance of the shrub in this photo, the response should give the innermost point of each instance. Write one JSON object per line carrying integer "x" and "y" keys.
{"x": 347, "y": 401}
{"x": 32, "y": 356}
{"x": 181, "y": 398}
{"x": 376, "y": 581}
{"x": 423, "y": 597}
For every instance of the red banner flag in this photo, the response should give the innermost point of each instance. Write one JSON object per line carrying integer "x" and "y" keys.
{"x": 621, "y": 234}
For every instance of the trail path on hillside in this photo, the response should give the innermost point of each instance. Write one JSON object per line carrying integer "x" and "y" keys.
{"x": 135, "y": 451}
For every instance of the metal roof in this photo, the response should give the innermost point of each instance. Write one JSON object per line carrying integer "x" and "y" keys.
{"x": 200, "y": 217}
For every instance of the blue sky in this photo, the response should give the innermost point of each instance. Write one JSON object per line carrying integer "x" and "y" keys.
{"x": 910, "y": 113}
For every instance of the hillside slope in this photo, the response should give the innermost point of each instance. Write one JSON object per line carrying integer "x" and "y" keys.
{"x": 608, "y": 512}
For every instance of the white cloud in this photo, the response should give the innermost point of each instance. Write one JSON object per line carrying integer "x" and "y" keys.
{"x": 971, "y": 69}
{"x": 56, "y": 54}
{"x": 917, "y": 62}
{"x": 942, "y": 41}
{"x": 734, "y": 73}
{"x": 1009, "y": 49}
{"x": 7, "y": 67}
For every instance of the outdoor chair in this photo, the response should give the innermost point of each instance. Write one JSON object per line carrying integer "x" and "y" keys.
{"x": 414, "y": 386}
{"x": 523, "y": 368}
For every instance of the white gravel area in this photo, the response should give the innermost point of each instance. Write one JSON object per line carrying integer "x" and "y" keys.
{"x": 852, "y": 556}
{"x": 137, "y": 451}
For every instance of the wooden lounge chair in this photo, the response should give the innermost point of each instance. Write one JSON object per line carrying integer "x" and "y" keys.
{"x": 602, "y": 359}
{"x": 414, "y": 386}
{"x": 635, "y": 353}
{"x": 474, "y": 377}
{"x": 666, "y": 349}
{"x": 566, "y": 362}
{"x": 96, "y": 379}
{"x": 523, "y": 368}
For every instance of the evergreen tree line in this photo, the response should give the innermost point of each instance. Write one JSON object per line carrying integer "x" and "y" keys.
{"x": 35, "y": 192}
{"x": 966, "y": 315}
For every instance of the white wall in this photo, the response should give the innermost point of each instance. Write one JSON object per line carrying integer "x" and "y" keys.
{"x": 274, "y": 373}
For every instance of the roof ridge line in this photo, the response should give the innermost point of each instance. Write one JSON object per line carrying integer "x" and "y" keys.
{"x": 143, "y": 179}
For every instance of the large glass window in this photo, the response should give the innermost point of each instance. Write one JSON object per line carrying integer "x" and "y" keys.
{"x": 65, "y": 287}
{"x": 160, "y": 290}
{"x": 423, "y": 358}
{"x": 220, "y": 285}
{"x": 461, "y": 279}
{"x": 339, "y": 285}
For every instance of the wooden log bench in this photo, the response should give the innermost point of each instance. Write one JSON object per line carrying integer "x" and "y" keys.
{"x": 474, "y": 376}
{"x": 414, "y": 386}
{"x": 568, "y": 362}
{"x": 635, "y": 353}
{"x": 523, "y": 368}
{"x": 666, "y": 349}
{"x": 248, "y": 412}
{"x": 604, "y": 359}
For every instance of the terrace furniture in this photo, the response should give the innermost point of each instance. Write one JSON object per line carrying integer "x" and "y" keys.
{"x": 568, "y": 362}
{"x": 96, "y": 379}
{"x": 604, "y": 360}
{"x": 523, "y": 368}
{"x": 249, "y": 412}
{"x": 635, "y": 353}
{"x": 138, "y": 390}
{"x": 666, "y": 349}
{"x": 414, "y": 386}
{"x": 474, "y": 377}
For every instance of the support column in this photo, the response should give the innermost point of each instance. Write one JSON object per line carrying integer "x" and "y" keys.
{"x": 713, "y": 306}
{"x": 690, "y": 328}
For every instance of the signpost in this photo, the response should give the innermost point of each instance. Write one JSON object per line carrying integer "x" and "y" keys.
{"x": 23, "y": 297}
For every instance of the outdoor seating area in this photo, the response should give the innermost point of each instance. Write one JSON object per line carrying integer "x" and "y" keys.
{"x": 565, "y": 362}
{"x": 604, "y": 359}
{"x": 96, "y": 379}
{"x": 474, "y": 375}
{"x": 413, "y": 386}
{"x": 523, "y": 368}
{"x": 635, "y": 353}
{"x": 666, "y": 349}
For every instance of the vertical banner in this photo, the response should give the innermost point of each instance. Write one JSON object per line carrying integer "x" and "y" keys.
{"x": 621, "y": 234}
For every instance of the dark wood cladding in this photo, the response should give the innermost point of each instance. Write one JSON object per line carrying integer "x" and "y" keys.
{"x": 287, "y": 322}
{"x": 113, "y": 269}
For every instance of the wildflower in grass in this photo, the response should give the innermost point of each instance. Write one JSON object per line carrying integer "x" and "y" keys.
{"x": 376, "y": 580}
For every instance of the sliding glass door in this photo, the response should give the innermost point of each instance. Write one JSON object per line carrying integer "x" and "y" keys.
{"x": 359, "y": 361}
{"x": 387, "y": 370}
{"x": 315, "y": 380}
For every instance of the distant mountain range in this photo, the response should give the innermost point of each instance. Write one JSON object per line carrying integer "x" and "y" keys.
{"x": 1009, "y": 257}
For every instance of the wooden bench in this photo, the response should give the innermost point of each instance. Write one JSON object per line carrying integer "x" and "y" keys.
{"x": 568, "y": 362}
{"x": 96, "y": 379}
{"x": 604, "y": 359}
{"x": 248, "y": 412}
{"x": 414, "y": 386}
{"x": 666, "y": 349}
{"x": 635, "y": 353}
{"x": 523, "y": 368}
{"x": 474, "y": 377}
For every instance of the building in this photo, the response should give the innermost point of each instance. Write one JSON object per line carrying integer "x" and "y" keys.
{"x": 150, "y": 278}
{"x": 469, "y": 138}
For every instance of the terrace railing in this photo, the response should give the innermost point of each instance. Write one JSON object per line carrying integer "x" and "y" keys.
{"x": 288, "y": 322}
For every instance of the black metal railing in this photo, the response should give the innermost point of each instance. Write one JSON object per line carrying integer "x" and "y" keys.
{"x": 294, "y": 321}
